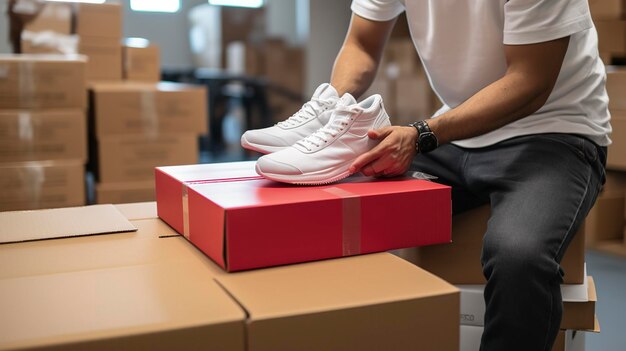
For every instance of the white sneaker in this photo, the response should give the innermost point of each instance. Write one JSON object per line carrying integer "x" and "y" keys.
{"x": 326, "y": 155}
{"x": 312, "y": 116}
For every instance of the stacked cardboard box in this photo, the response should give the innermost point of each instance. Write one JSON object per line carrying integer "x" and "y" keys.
{"x": 284, "y": 68}
{"x": 609, "y": 18}
{"x": 138, "y": 126}
{"x": 65, "y": 294}
{"x": 566, "y": 340}
{"x": 578, "y": 316}
{"x": 459, "y": 263}
{"x": 43, "y": 131}
{"x": 403, "y": 84}
{"x": 141, "y": 61}
{"x": 97, "y": 32}
{"x": 607, "y": 220}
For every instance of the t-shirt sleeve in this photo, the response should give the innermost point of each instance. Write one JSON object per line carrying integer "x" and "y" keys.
{"x": 377, "y": 10}
{"x": 536, "y": 21}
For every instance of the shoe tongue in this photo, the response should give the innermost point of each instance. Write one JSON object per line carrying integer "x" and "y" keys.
{"x": 346, "y": 100}
{"x": 325, "y": 91}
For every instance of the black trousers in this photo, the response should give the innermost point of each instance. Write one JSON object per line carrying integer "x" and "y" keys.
{"x": 541, "y": 188}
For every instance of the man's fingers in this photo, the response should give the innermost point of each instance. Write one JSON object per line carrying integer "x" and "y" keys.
{"x": 380, "y": 133}
{"x": 366, "y": 158}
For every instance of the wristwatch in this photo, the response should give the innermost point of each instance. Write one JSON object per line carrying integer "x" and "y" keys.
{"x": 426, "y": 139}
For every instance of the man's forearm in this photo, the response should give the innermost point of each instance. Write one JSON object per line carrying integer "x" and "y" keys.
{"x": 525, "y": 88}
{"x": 357, "y": 62}
{"x": 500, "y": 103}
{"x": 354, "y": 70}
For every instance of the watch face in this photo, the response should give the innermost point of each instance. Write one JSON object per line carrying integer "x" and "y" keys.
{"x": 427, "y": 142}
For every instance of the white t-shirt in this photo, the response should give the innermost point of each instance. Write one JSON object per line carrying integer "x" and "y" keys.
{"x": 461, "y": 42}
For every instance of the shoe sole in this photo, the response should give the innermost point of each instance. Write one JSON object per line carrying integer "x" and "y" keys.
{"x": 264, "y": 149}
{"x": 301, "y": 179}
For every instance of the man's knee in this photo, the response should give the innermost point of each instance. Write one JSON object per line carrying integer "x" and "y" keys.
{"x": 512, "y": 257}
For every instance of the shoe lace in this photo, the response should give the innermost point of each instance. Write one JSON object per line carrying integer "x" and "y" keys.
{"x": 339, "y": 121}
{"x": 310, "y": 109}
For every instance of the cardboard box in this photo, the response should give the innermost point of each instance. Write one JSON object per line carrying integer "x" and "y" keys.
{"x": 129, "y": 158}
{"x": 53, "y": 17}
{"x": 104, "y": 58}
{"x": 99, "y": 20}
{"x": 41, "y": 184}
{"x": 371, "y": 302}
{"x": 284, "y": 65}
{"x": 48, "y": 43}
{"x": 578, "y": 305}
{"x": 605, "y": 220}
{"x": 299, "y": 307}
{"x": 148, "y": 108}
{"x": 244, "y": 59}
{"x": 238, "y": 24}
{"x": 606, "y": 57}
{"x": 249, "y": 222}
{"x": 413, "y": 99}
{"x": 580, "y": 315}
{"x": 566, "y": 340}
{"x": 141, "y": 63}
{"x": 607, "y": 9}
{"x": 138, "y": 210}
{"x": 404, "y": 56}
{"x": 611, "y": 36}
{"x": 615, "y": 182}
{"x": 617, "y": 151}
{"x": 42, "y": 81}
{"x": 125, "y": 192}
{"x": 91, "y": 315}
{"x": 37, "y": 135}
{"x": 459, "y": 262}
{"x": 616, "y": 88}
{"x": 57, "y": 223}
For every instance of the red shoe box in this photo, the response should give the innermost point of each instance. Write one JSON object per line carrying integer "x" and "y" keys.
{"x": 243, "y": 221}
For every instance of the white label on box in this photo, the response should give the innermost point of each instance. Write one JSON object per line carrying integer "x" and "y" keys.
{"x": 470, "y": 339}
{"x": 473, "y": 303}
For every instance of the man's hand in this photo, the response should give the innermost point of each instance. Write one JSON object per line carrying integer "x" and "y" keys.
{"x": 392, "y": 156}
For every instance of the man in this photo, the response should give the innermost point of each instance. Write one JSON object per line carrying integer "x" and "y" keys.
{"x": 524, "y": 127}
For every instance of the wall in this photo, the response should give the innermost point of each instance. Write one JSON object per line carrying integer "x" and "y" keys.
{"x": 168, "y": 30}
{"x": 329, "y": 22}
{"x": 5, "y": 44}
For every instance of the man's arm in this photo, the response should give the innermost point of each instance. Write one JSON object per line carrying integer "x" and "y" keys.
{"x": 531, "y": 74}
{"x": 358, "y": 59}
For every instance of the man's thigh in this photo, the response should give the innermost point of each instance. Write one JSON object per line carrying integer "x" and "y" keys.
{"x": 447, "y": 164}
{"x": 540, "y": 187}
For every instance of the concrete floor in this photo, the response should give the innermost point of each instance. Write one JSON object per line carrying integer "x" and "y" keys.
{"x": 609, "y": 274}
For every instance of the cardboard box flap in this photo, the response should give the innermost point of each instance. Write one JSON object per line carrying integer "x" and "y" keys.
{"x": 139, "y": 210}
{"x": 596, "y": 325}
{"x": 62, "y": 222}
{"x": 145, "y": 246}
{"x": 329, "y": 285}
{"x": 134, "y": 303}
{"x": 592, "y": 290}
